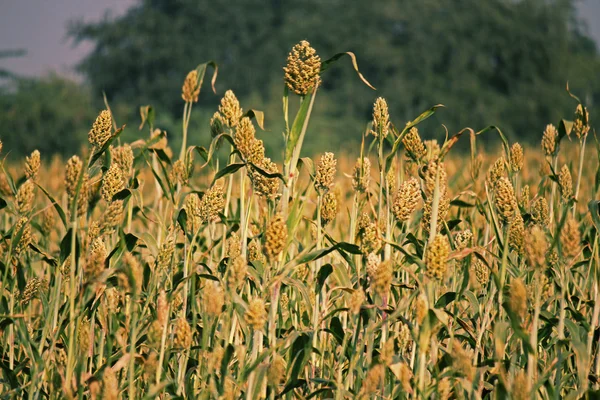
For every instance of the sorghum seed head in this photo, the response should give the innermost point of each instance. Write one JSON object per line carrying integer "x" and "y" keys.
{"x": 113, "y": 216}
{"x": 191, "y": 88}
{"x": 505, "y": 199}
{"x": 517, "y": 299}
{"x": 436, "y": 257}
{"x": 256, "y": 314}
{"x": 31, "y": 290}
{"x": 192, "y": 210}
{"x": 570, "y": 238}
{"x": 230, "y": 109}
{"x": 565, "y": 183}
{"x": 462, "y": 361}
{"x": 22, "y": 226}
{"x": 94, "y": 265}
{"x": 275, "y": 237}
{"x": 329, "y": 207}
{"x": 415, "y": 149}
{"x": 381, "y": 118}
{"x": 180, "y": 172}
{"x": 390, "y": 179}
{"x": 238, "y": 268}
{"x": 373, "y": 381}
{"x": 435, "y": 174}
{"x": 444, "y": 388}
{"x": 524, "y": 197}
{"x": 213, "y": 298}
{"x": 255, "y": 252}
{"x": 112, "y": 183}
{"x": 482, "y": 272}
{"x": 536, "y": 247}
{"x": 110, "y": 384}
{"x": 302, "y": 69}
{"x": 432, "y": 150}
{"x": 136, "y": 271}
{"x": 162, "y": 308}
{"x": 520, "y": 388}
{"x": 356, "y": 301}
{"x": 165, "y": 254}
{"x": 406, "y": 199}
{"x": 421, "y": 308}
{"x": 212, "y": 203}
{"x": 183, "y": 333}
{"x": 244, "y": 137}
{"x": 581, "y": 125}
{"x": 217, "y": 124}
{"x": 539, "y": 211}
{"x": 325, "y": 172}
{"x": 549, "y": 139}
{"x": 265, "y": 187}
{"x": 47, "y": 221}
{"x": 371, "y": 239}
{"x": 72, "y": 171}
{"x": 362, "y": 175}
{"x": 101, "y": 129}
{"x": 516, "y": 157}
{"x": 381, "y": 277}
{"x": 25, "y": 197}
{"x": 463, "y": 239}
{"x": 276, "y": 373}
{"x": 234, "y": 246}
{"x": 32, "y": 165}
{"x": 516, "y": 234}
{"x": 496, "y": 171}
{"x": 123, "y": 157}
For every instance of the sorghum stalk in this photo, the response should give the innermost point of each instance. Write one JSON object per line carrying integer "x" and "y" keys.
{"x": 533, "y": 357}
{"x": 581, "y": 158}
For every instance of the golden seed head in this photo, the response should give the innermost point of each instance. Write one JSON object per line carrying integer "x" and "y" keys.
{"x": 255, "y": 253}
{"x": 444, "y": 388}
{"x": 112, "y": 183}
{"x": 381, "y": 277}
{"x": 371, "y": 238}
{"x": 373, "y": 381}
{"x": 505, "y": 199}
{"x": 432, "y": 150}
{"x": 516, "y": 157}
{"x": 406, "y": 199}
{"x": 373, "y": 261}
{"x": 496, "y": 171}
{"x": 524, "y": 198}
{"x": 405, "y": 375}
{"x": 165, "y": 254}
{"x": 25, "y": 197}
{"x": 435, "y": 172}
{"x": 421, "y": 308}
{"x": 101, "y": 130}
{"x": 136, "y": 271}
{"x": 32, "y": 289}
{"x": 238, "y": 269}
{"x": 83, "y": 336}
{"x": 581, "y": 124}
{"x": 48, "y": 220}
{"x": 72, "y": 171}
{"x": 549, "y": 139}
{"x": 565, "y": 183}
{"x": 32, "y": 165}
{"x": 482, "y": 272}
{"x": 520, "y": 389}
{"x": 192, "y": 210}
{"x": 110, "y": 384}
{"x": 570, "y": 238}
{"x": 275, "y": 237}
{"x": 230, "y": 109}
{"x": 362, "y": 175}
{"x": 325, "y": 172}
{"x": 329, "y": 207}
{"x": 233, "y": 246}
{"x": 539, "y": 212}
{"x": 463, "y": 239}
{"x": 217, "y": 124}
{"x": 180, "y": 172}
{"x": 5, "y": 188}
{"x": 123, "y": 157}
{"x": 191, "y": 87}
{"x": 390, "y": 179}
{"x": 387, "y": 352}
{"x": 212, "y": 203}
{"x": 381, "y": 118}
{"x": 256, "y": 314}
{"x": 277, "y": 371}
{"x": 94, "y": 265}
{"x": 113, "y": 216}
{"x": 443, "y": 208}
{"x": 462, "y": 361}
{"x": 415, "y": 149}
{"x": 265, "y": 187}
{"x": 436, "y": 257}
{"x": 517, "y": 299}
{"x": 162, "y": 308}
{"x": 244, "y": 137}
{"x": 536, "y": 247}
{"x": 302, "y": 69}
{"x": 113, "y": 298}
{"x": 213, "y": 298}
{"x": 516, "y": 234}
{"x": 356, "y": 301}
{"x": 183, "y": 334}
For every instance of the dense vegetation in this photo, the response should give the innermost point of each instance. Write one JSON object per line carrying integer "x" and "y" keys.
{"x": 143, "y": 269}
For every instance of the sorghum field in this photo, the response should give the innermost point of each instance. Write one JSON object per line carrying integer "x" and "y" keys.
{"x": 134, "y": 270}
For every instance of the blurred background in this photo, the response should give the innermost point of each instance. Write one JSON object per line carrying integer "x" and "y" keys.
{"x": 500, "y": 62}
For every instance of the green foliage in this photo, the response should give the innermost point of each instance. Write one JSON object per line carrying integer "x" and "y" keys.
{"x": 51, "y": 114}
{"x": 501, "y": 62}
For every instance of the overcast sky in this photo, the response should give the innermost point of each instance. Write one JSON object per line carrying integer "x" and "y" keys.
{"x": 39, "y": 26}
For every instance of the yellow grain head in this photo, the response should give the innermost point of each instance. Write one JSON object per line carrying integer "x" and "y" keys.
{"x": 415, "y": 149}
{"x": 517, "y": 299}
{"x": 539, "y": 212}
{"x": 123, "y": 157}
{"x": 192, "y": 210}
{"x": 516, "y": 157}
{"x": 191, "y": 87}
{"x": 112, "y": 183}
{"x": 183, "y": 333}
{"x": 265, "y": 187}
{"x": 463, "y": 239}
{"x": 25, "y": 197}
{"x": 275, "y": 237}
{"x": 549, "y": 140}
{"x": 505, "y": 199}
{"x": 536, "y": 247}
{"x": 421, "y": 308}
{"x": 373, "y": 381}
{"x": 101, "y": 130}
{"x": 381, "y": 118}
{"x": 565, "y": 183}
{"x": 276, "y": 374}
{"x": 110, "y": 384}
{"x": 237, "y": 272}
{"x": 362, "y": 175}
{"x": 32, "y": 165}
{"x": 256, "y": 314}
{"x": 516, "y": 234}
{"x": 436, "y": 257}
{"x": 113, "y": 216}
{"x": 524, "y": 198}
{"x": 371, "y": 238}
{"x": 230, "y": 109}
{"x": 570, "y": 238}
{"x": 213, "y": 298}
{"x": 356, "y": 301}
{"x": 581, "y": 123}
{"x": 329, "y": 207}
{"x": 496, "y": 171}
{"x": 406, "y": 199}
{"x": 325, "y": 172}
{"x": 301, "y": 73}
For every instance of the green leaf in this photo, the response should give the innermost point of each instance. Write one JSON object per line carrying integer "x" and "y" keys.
{"x": 270, "y": 175}
{"x": 259, "y": 116}
{"x": 147, "y": 114}
{"x": 316, "y": 254}
{"x": 328, "y": 63}
{"x": 322, "y": 276}
{"x": 594, "y": 207}
{"x": 297, "y": 127}
{"x": 201, "y": 68}
{"x": 230, "y": 169}
{"x": 337, "y": 330}
{"x": 445, "y": 299}
{"x": 2, "y": 203}
{"x": 65, "y": 247}
{"x": 106, "y": 145}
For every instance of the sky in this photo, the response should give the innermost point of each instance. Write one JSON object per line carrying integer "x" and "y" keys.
{"x": 39, "y": 26}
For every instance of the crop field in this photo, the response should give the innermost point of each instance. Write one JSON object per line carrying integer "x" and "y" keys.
{"x": 417, "y": 270}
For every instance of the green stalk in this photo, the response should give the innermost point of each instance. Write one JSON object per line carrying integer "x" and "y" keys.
{"x": 581, "y": 158}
